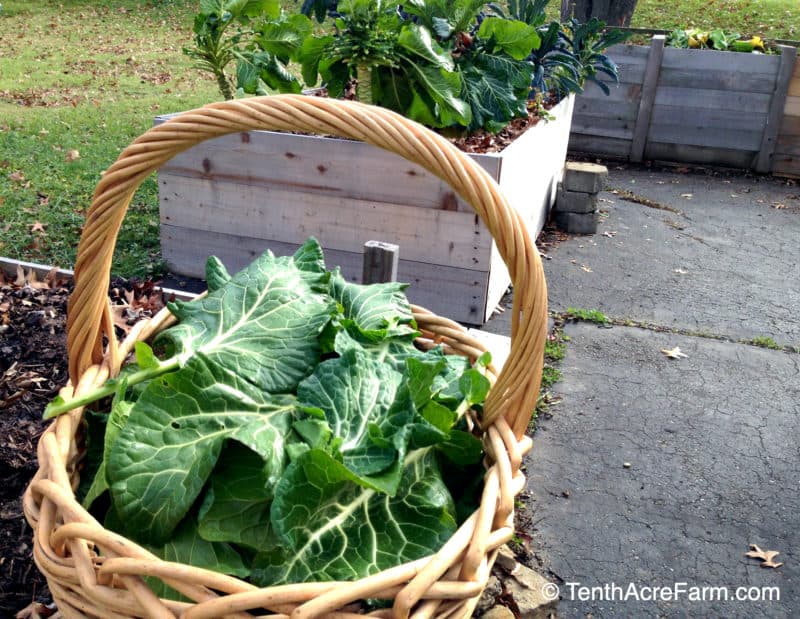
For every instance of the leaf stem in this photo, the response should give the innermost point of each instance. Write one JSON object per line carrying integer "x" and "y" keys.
{"x": 59, "y": 406}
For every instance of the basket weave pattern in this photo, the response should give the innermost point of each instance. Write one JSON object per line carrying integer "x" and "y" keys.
{"x": 97, "y": 573}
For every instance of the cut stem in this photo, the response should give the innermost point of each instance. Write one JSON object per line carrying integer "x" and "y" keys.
{"x": 59, "y": 406}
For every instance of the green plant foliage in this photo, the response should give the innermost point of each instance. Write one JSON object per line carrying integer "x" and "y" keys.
{"x": 765, "y": 341}
{"x": 255, "y": 34}
{"x": 294, "y": 433}
{"x": 696, "y": 38}
{"x": 587, "y": 315}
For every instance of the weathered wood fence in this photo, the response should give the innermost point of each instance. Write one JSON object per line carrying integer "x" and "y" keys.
{"x": 695, "y": 106}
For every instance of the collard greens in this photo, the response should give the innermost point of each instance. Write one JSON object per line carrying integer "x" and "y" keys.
{"x": 294, "y": 429}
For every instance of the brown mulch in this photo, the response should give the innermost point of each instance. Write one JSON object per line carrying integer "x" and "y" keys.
{"x": 33, "y": 367}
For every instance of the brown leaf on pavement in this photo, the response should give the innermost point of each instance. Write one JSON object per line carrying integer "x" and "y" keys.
{"x": 766, "y": 556}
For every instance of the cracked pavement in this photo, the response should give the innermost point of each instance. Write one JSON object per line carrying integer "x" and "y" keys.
{"x": 658, "y": 471}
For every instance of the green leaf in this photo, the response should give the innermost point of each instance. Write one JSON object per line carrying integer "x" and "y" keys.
{"x": 515, "y": 38}
{"x": 444, "y": 88}
{"x": 418, "y": 41}
{"x": 216, "y": 274}
{"x": 237, "y": 503}
{"x": 285, "y": 37}
{"x": 264, "y": 325}
{"x": 117, "y": 418}
{"x": 356, "y": 392}
{"x": 496, "y": 88}
{"x": 310, "y": 54}
{"x": 461, "y": 448}
{"x": 378, "y": 310}
{"x": 165, "y": 452}
{"x": 334, "y": 529}
{"x": 475, "y": 386}
{"x": 145, "y": 358}
{"x": 188, "y": 548}
{"x": 392, "y": 350}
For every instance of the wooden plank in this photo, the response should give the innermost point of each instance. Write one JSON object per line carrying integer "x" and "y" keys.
{"x": 624, "y": 93}
{"x": 594, "y": 145}
{"x": 764, "y": 161}
{"x": 319, "y": 165}
{"x": 448, "y": 291}
{"x": 606, "y": 127}
{"x": 786, "y": 165}
{"x": 714, "y": 99}
{"x": 722, "y": 119}
{"x": 649, "y": 86}
{"x": 792, "y": 106}
{"x": 732, "y": 80}
{"x": 591, "y": 108}
{"x": 713, "y": 60}
{"x": 380, "y": 262}
{"x": 794, "y": 87}
{"x": 790, "y": 126}
{"x": 788, "y": 145}
{"x": 660, "y": 151}
{"x": 435, "y": 236}
{"x": 709, "y": 137}
{"x": 622, "y": 52}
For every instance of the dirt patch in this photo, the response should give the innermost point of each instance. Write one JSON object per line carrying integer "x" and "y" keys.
{"x": 33, "y": 367}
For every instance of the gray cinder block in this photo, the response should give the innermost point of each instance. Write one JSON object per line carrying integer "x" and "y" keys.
{"x": 585, "y": 177}
{"x": 575, "y": 201}
{"x": 577, "y": 223}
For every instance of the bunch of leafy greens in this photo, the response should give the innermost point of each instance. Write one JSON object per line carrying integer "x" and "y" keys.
{"x": 294, "y": 432}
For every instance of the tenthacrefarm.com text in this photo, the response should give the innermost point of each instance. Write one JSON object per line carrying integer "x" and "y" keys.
{"x": 636, "y": 592}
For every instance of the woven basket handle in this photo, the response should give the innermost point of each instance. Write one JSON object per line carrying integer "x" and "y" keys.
{"x": 515, "y": 392}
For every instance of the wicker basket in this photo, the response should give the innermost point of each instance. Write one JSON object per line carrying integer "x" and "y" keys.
{"x": 97, "y": 573}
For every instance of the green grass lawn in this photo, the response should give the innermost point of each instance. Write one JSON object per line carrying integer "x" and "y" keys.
{"x": 769, "y": 19}
{"x": 90, "y": 75}
{"x": 86, "y": 77}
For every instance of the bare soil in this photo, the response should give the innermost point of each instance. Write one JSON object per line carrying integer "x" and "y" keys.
{"x": 33, "y": 367}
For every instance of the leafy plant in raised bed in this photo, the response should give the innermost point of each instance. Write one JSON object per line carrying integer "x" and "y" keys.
{"x": 697, "y": 38}
{"x": 263, "y": 41}
{"x": 294, "y": 431}
{"x": 462, "y": 64}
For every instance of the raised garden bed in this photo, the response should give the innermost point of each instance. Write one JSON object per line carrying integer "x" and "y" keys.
{"x": 695, "y": 106}
{"x": 237, "y": 195}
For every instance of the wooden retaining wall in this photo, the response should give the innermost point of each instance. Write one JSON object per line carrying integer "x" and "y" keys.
{"x": 786, "y": 161}
{"x": 695, "y": 106}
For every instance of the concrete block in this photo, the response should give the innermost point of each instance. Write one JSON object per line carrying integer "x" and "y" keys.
{"x": 577, "y": 223}
{"x": 575, "y": 201}
{"x": 535, "y": 596}
{"x": 585, "y": 177}
{"x": 498, "y": 612}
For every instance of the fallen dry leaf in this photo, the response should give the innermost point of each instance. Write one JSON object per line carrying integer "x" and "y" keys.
{"x": 72, "y": 155}
{"x": 16, "y": 176}
{"x": 688, "y": 196}
{"x": 38, "y": 226}
{"x": 585, "y": 268}
{"x": 681, "y": 271}
{"x": 674, "y": 353}
{"x": 610, "y": 233}
{"x": 766, "y": 556}
{"x": 778, "y": 205}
